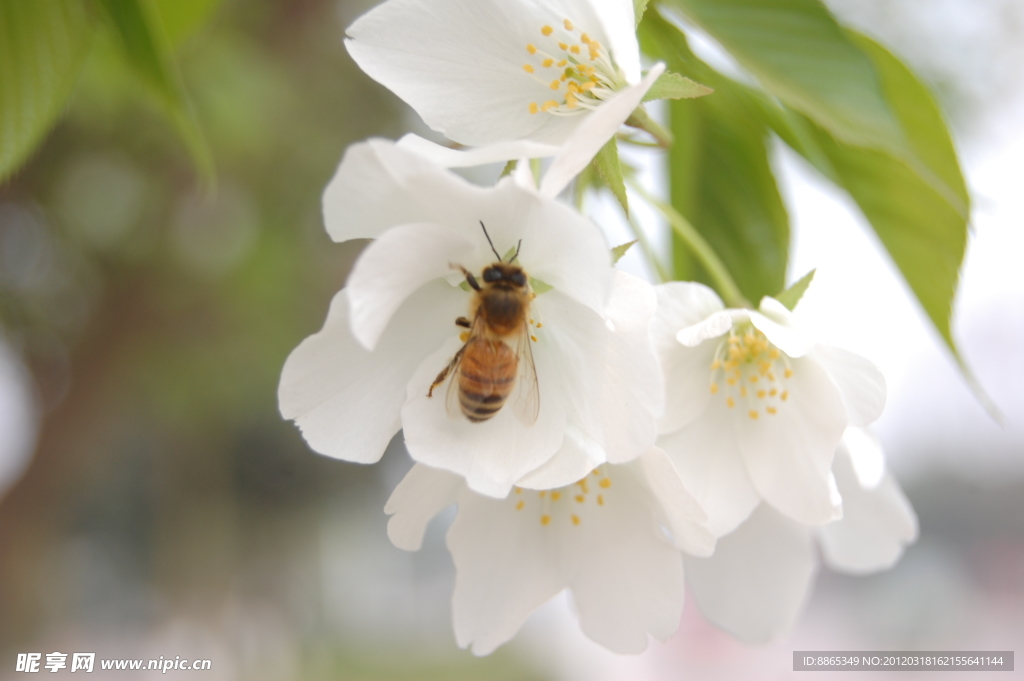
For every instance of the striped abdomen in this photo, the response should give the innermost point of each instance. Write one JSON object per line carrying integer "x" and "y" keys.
{"x": 487, "y": 375}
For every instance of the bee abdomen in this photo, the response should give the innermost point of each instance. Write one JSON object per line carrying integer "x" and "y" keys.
{"x": 487, "y": 376}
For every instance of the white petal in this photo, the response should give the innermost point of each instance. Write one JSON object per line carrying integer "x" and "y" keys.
{"x": 619, "y": 20}
{"x": 421, "y": 495}
{"x": 682, "y": 512}
{"x": 375, "y": 188}
{"x": 578, "y": 455}
{"x": 491, "y": 455}
{"x": 866, "y": 453}
{"x": 562, "y": 248}
{"x": 610, "y": 379}
{"x": 687, "y": 374}
{"x": 633, "y": 391}
{"x": 860, "y": 383}
{"x": 628, "y": 578}
{"x": 687, "y": 370}
{"x": 714, "y": 326}
{"x": 345, "y": 399}
{"x": 503, "y": 570}
{"x": 789, "y": 454}
{"x": 758, "y": 579}
{"x": 877, "y": 523}
{"x": 789, "y": 340}
{"x": 475, "y": 156}
{"x": 399, "y": 262}
{"x": 681, "y": 304}
{"x": 593, "y": 132}
{"x": 708, "y": 460}
{"x": 458, "y": 64}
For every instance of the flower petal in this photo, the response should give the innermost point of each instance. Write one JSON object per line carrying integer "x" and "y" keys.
{"x": 789, "y": 454}
{"x": 708, "y": 460}
{"x": 593, "y": 132}
{"x": 503, "y": 570}
{"x": 377, "y": 186}
{"x": 397, "y": 263}
{"x": 758, "y": 579}
{"x": 682, "y": 512}
{"x": 447, "y": 157}
{"x": 458, "y": 64}
{"x": 628, "y": 579}
{"x": 686, "y": 370}
{"x": 860, "y": 383}
{"x": 577, "y": 456}
{"x": 347, "y": 400}
{"x": 866, "y": 453}
{"x": 491, "y": 455}
{"x": 789, "y": 340}
{"x": 619, "y": 22}
{"x": 421, "y": 495}
{"x": 714, "y": 326}
{"x": 876, "y": 526}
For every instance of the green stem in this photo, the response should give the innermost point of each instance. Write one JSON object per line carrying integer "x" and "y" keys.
{"x": 724, "y": 282}
{"x": 640, "y": 119}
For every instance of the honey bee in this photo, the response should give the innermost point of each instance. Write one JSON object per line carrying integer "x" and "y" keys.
{"x": 497, "y": 350}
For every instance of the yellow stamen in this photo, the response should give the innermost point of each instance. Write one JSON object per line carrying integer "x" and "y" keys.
{"x": 571, "y": 101}
{"x": 585, "y": 39}
{"x": 527, "y": 68}
{"x": 534, "y": 108}
{"x": 556, "y": 495}
{"x": 547, "y": 30}
{"x": 788, "y": 373}
{"x": 575, "y": 49}
{"x": 547, "y": 63}
{"x": 770, "y": 410}
{"x": 714, "y": 388}
{"x": 567, "y": 24}
{"x": 605, "y": 483}
{"x": 555, "y": 84}
{"x": 731, "y": 402}
{"x": 563, "y": 46}
{"x": 520, "y": 505}
{"x": 545, "y": 519}
{"x": 533, "y": 338}
{"x": 785, "y": 395}
{"x": 464, "y": 336}
{"x": 761, "y": 394}
{"x": 575, "y": 519}
{"x": 600, "y": 500}
{"x": 753, "y": 414}
{"x": 579, "y": 498}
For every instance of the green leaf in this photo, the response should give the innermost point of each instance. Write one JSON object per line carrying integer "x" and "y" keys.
{"x": 792, "y": 295}
{"x": 674, "y": 86}
{"x": 798, "y": 53}
{"x": 43, "y": 44}
{"x": 621, "y": 249}
{"x": 720, "y": 178}
{"x": 608, "y": 167}
{"x": 148, "y": 51}
{"x": 639, "y": 7}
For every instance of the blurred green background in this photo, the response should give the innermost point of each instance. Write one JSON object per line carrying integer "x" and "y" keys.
{"x": 168, "y": 509}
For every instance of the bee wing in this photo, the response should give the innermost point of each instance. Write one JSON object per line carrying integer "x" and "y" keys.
{"x": 527, "y": 404}
{"x": 451, "y": 398}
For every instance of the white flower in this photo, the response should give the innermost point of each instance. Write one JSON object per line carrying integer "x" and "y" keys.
{"x": 753, "y": 409}
{"x": 516, "y": 77}
{"x": 389, "y": 333}
{"x": 756, "y": 583}
{"x": 603, "y": 538}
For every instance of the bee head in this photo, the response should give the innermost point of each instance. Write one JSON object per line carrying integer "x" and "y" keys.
{"x": 505, "y": 272}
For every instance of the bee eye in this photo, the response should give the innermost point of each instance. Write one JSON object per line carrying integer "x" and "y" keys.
{"x": 518, "y": 278}
{"x": 491, "y": 275}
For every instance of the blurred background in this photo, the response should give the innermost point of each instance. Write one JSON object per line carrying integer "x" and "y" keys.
{"x": 153, "y": 502}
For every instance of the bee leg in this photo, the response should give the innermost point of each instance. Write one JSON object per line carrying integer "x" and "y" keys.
{"x": 470, "y": 279}
{"x": 463, "y": 322}
{"x": 444, "y": 372}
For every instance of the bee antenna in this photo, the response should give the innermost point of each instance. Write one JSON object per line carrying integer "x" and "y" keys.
{"x": 493, "y": 249}
{"x": 518, "y": 246}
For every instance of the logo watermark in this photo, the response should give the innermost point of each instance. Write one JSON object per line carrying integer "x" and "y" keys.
{"x": 86, "y": 662}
